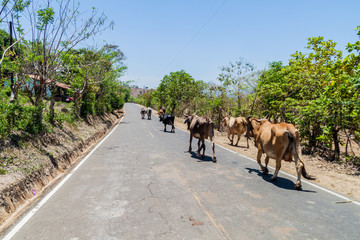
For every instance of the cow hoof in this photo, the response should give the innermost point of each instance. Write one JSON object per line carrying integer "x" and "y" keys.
{"x": 265, "y": 171}
{"x": 298, "y": 187}
{"x": 214, "y": 160}
{"x": 273, "y": 179}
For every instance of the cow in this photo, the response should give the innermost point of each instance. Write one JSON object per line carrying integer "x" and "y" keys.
{"x": 161, "y": 111}
{"x": 201, "y": 128}
{"x": 142, "y": 112}
{"x": 148, "y": 112}
{"x": 236, "y": 126}
{"x": 168, "y": 119}
{"x": 279, "y": 141}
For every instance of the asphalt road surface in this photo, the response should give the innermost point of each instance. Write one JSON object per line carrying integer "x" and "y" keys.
{"x": 141, "y": 183}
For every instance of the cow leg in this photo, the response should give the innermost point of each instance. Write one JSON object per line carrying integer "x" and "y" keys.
{"x": 203, "y": 147}
{"x": 199, "y": 149}
{"x": 266, "y": 161}
{"x": 173, "y": 128}
{"x": 213, "y": 148}
{"x": 164, "y": 127}
{"x": 263, "y": 169}
{"x": 247, "y": 142}
{"x": 231, "y": 140}
{"x": 238, "y": 138}
{"x": 190, "y": 142}
{"x": 298, "y": 165}
{"x": 277, "y": 168}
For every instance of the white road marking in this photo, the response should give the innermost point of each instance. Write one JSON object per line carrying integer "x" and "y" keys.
{"x": 26, "y": 218}
{"x": 151, "y": 135}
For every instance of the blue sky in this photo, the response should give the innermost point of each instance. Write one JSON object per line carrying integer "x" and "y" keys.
{"x": 199, "y": 36}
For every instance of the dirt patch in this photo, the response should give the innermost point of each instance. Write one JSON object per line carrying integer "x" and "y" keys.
{"x": 34, "y": 164}
{"x": 333, "y": 176}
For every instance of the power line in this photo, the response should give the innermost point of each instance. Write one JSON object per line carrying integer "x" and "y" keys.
{"x": 197, "y": 33}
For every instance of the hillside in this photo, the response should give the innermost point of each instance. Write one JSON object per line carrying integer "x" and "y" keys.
{"x": 136, "y": 91}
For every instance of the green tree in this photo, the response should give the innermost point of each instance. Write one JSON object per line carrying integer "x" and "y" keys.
{"x": 272, "y": 91}
{"x": 58, "y": 28}
{"x": 175, "y": 89}
{"x": 239, "y": 79}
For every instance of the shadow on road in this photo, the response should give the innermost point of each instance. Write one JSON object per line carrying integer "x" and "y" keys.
{"x": 238, "y": 146}
{"x": 167, "y": 131}
{"x": 205, "y": 159}
{"x": 280, "y": 182}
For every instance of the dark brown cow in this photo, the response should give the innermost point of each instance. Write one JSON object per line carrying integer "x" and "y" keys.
{"x": 278, "y": 141}
{"x": 236, "y": 126}
{"x": 201, "y": 128}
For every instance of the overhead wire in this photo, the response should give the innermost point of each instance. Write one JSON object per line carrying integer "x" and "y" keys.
{"x": 197, "y": 33}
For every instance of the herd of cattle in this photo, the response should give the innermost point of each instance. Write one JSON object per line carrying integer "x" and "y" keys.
{"x": 280, "y": 141}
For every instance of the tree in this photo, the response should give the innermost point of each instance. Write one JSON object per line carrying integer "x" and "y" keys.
{"x": 175, "y": 89}
{"x": 238, "y": 79}
{"x": 59, "y": 28}
{"x": 272, "y": 91}
{"x": 94, "y": 73}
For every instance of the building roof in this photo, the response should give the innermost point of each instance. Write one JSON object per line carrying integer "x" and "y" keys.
{"x": 49, "y": 81}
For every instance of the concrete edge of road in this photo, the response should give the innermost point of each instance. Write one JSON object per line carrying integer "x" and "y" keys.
{"x": 57, "y": 186}
{"x": 344, "y": 198}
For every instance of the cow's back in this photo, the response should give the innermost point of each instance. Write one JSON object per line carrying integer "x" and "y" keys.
{"x": 273, "y": 139}
{"x": 202, "y": 127}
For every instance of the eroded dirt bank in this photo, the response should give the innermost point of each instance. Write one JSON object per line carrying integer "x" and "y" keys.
{"x": 34, "y": 164}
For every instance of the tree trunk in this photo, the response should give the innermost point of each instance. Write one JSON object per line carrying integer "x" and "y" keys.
{"x": 336, "y": 143}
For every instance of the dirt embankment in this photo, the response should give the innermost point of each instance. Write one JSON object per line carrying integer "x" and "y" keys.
{"x": 337, "y": 177}
{"x": 35, "y": 164}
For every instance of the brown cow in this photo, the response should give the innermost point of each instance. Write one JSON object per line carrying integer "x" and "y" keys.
{"x": 236, "y": 126}
{"x": 278, "y": 141}
{"x": 201, "y": 128}
{"x": 161, "y": 111}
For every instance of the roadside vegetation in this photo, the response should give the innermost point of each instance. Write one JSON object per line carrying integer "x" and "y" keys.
{"x": 40, "y": 51}
{"x": 318, "y": 91}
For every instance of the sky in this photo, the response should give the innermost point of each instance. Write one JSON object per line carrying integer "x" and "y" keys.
{"x": 200, "y": 36}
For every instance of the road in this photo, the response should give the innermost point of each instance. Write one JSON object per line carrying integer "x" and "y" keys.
{"x": 141, "y": 183}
